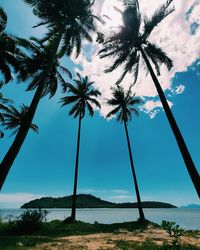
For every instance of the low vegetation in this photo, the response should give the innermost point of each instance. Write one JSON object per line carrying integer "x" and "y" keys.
{"x": 174, "y": 231}
{"x": 150, "y": 245}
{"x": 31, "y": 231}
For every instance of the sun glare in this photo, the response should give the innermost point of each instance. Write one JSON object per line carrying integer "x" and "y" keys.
{"x": 111, "y": 14}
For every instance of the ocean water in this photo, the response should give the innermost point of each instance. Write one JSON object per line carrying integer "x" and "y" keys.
{"x": 187, "y": 218}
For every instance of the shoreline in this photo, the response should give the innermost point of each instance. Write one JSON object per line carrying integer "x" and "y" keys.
{"x": 58, "y": 235}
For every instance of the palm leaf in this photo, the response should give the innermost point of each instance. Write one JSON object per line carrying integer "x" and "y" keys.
{"x": 158, "y": 56}
{"x": 157, "y": 17}
{"x": 3, "y": 19}
{"x": 123, "y": 103}
{"x": 83, "y": 94}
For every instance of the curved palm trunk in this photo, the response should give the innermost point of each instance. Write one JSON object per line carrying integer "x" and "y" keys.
{"x": 20, "y": 137}
{"x": 73, "y": 213}
{"x": 194, "y": 175}
{"x": 13, "y": 151}
{"x": 141, "y": 213}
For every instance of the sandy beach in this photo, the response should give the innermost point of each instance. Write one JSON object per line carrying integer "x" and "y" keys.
{"x": 110, "y": 241}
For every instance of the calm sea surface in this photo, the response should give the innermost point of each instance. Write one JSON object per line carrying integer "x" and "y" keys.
{"x": 186, "y": 218}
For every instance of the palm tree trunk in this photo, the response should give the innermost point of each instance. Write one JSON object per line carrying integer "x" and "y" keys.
{"x": 20, "y": 137}
{"x": 141, "y": 213}
{"x": 13, "y": 151}
{"x": 73, "y": 213}
{"x": 194, "y": 175}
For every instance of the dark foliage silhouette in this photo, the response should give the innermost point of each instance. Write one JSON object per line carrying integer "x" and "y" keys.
{"x": 83, "y": 98}
{"x": 132, "y": 43}
{"x": 123, "y": 107}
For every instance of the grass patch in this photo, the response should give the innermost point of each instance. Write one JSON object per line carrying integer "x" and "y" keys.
{"x": 58, "y": 228}
{"x": 50, "y": 231}
{"x": 22, "y": 242}
{"x": 150, "y": 245}
{"x": 10, "y": 238}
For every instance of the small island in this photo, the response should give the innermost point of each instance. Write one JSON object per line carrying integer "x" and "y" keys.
{"x": 89, "y": 201}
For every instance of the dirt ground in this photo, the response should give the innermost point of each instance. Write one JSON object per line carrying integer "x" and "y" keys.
{"x": 107, "y": 241}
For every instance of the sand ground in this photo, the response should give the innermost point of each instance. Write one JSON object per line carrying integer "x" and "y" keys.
{"x": 107, "y": 241}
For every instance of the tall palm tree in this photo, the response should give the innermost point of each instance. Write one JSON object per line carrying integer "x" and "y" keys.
{"x": 8, "y": 50}
{"x": 83, "y": 97}
{"x": 42, "y": 72}
{"x": 68, "y": 23}
{"x": 14, "y": 118}
{"x": 123, "y": 103}
{"x": 129, "y": 45}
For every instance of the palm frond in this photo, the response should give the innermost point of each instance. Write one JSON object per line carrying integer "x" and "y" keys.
{"x": 158, "y": 56}
{"x": 158, "y": 16}
{"x": 123, "y": 103}
{"x": 68, "y": 99}
{"x": 14, "y": 118}
{"x": 83, "y": 96}
{"x": 1, "y": 134}
{"x": 5, "y": 70}
{"x": 90, "y": 108}
{"x": 113, "y": 112}
{"x": 3, "y": 19}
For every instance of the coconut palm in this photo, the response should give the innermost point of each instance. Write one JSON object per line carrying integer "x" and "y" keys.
{"x": 68, "y": 23}
{"x": 83, "y": 98}
{"x": 42, "y": 71}
{"x": 132, "y": 43}
{"x": 14, "y": 118}
{"x": 8, "y": 50}
{"x": 123, "y": 107}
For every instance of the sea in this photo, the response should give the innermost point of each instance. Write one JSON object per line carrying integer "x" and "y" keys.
{"x": 188, "y": 219}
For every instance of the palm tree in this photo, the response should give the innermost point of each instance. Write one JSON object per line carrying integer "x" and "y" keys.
{"x": 8, "y": 50}
{"x": 68, "y": 23}
{"x": 14, "y": 118}
{"x": 83, "y": 97}
{"x": 123, "y": 103}
{"x": 129, "y": 45}
{"x": 42, "y": 72}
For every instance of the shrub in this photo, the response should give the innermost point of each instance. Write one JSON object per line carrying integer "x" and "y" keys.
{"x": 28, "y": 222}
{"x": 174, "y": 231}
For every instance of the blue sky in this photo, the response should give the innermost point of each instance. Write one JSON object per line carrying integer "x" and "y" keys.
{"x": 45, "y": 165}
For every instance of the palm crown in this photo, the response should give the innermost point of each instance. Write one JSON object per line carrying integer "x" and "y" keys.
{"x": 133, "y": 37}
{"x": 72, "y": 19}
{"x": 83, "y": 97}
{"x": 14, "y": 118}
{"x": 123, "y": 103}
{"x": 8, "y": 50}
{"x": 40, "y": 68}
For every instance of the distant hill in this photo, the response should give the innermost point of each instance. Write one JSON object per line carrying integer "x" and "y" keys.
{"x": 191, "y": 206}
{"x": 89, "y": 201}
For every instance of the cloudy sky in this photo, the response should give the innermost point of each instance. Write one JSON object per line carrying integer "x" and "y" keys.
{"x": 45, "y": 165}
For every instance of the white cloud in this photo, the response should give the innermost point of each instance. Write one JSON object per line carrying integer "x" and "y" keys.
{"x": 14, "y": 200}
{"x": 174, "y": 35}
{"x": 179, "y": 89}
{"x": 103, "y": 191}
{"x": 153, "y": 107}
{"x": 120, "y": 191}
{"x": 122, "y": 198}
